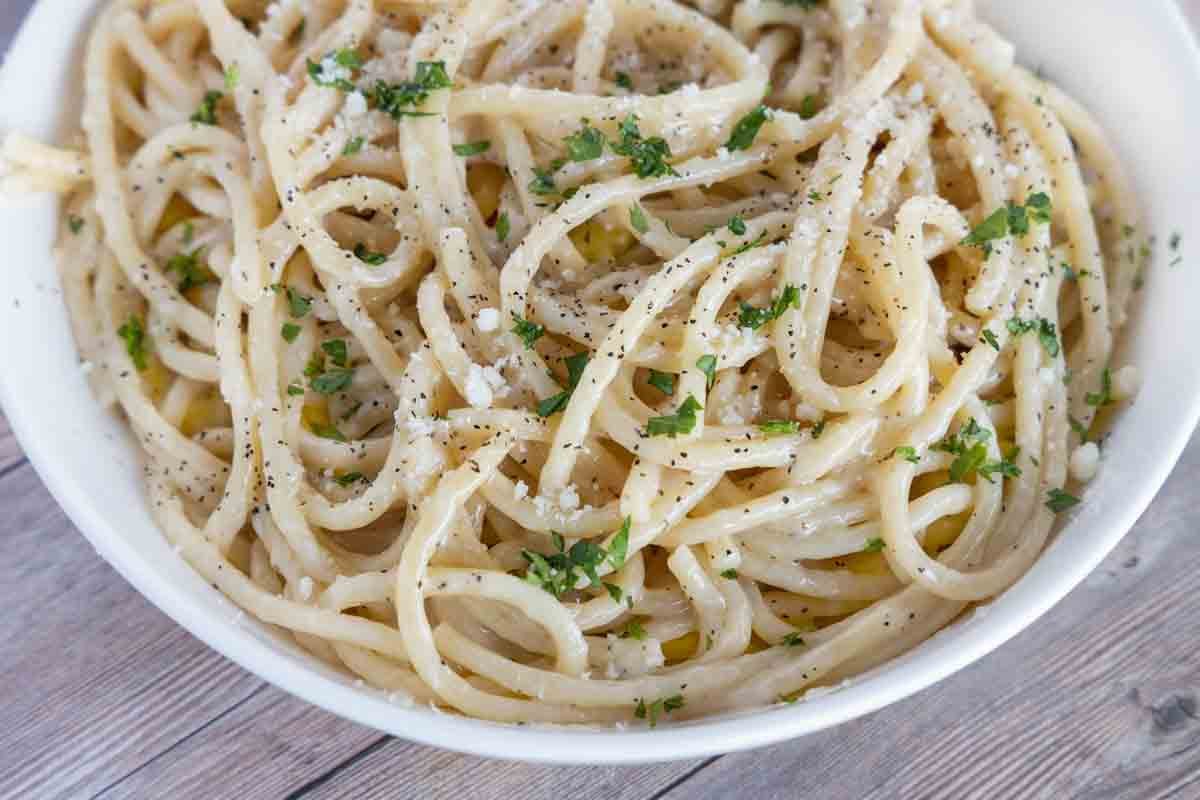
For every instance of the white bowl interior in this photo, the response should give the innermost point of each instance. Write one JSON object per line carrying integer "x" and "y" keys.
{"x": 88, "y": 461}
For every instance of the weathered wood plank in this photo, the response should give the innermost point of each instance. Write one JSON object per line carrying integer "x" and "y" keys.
{"x": 113, "y": 697}
{"x": 96, "y": 680}
{"x": 396, "y": 769}
{"x": 10, "y": 451}
{"x": 1099, "y": 699}
{"x": 268, "y": 746}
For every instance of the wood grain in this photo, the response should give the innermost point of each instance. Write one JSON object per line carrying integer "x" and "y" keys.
{"x": 102, "y": 696}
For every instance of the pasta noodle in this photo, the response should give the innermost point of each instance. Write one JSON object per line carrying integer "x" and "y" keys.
{"x": 594, "y": 362}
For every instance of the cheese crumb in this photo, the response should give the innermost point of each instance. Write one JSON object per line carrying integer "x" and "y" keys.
{"x": 1085, "y": 462}
{"x": 478, "y": 388}
{"x": 488, "y": 319}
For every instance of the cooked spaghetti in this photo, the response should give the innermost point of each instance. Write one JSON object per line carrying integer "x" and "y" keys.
{"x": 594, "y": 361}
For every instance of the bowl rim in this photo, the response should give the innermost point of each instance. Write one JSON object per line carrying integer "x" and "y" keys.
{"x": 555, "y": 744}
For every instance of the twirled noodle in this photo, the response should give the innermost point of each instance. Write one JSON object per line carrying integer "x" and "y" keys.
{"x": 592, "y": 362}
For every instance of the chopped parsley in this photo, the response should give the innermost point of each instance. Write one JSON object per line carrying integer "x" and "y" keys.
{"x": 637, "y": 218}
{"x": 369, "y": 257}
{"x": 191, "y": 272}
{"x": 623, "y": 81}
{"x": 648, "y": 156}
{"x": 1104, "y": 396}
{"x": 350, "y": 478}
{"x": 295, "y": 389}
{"x": 289, "y": 332}
{"x": 808, "y": 106}
{"x": 327, "y": 432}
{"x": 472, "y": 148}
{"x": 989, "y": 337}
{"x": 746, "y": 129}
{"x": 663, "y": 381}
{"x": 298, "y": 304}
{"x": 337, "y": 351}
{"x": 555, "y": 403}
{"x": 134, "y": 335}
{"x": 729, "y": 574}
{"x": 207, "y": 113}
{"x": 793, "y": 639}
{"x": 502, "y": 226}
{"x": 585, "y": 145}
{"x": 354, "y": 146}
{"x": 1058, "y": 501}
{"x": 334, "y": 71}
{"x": 399, "y": 99}
{"x": 737, "y": 226}
{"x": 682, "y": 421}
{"x": 1012, "y": 219}
{"x": 1045, "y": 329}
{"x": 970, "y": 447}
{"x": 233, "y": 75}
{"x": 909, "y": 454}
{"x": 754, "y": 318}
{"x": 543, "y": 182}
{"x": 559, "y": 572}
{"x": 332, "y": 381}
{"x": 634, "y": 630}
{"x": 779, "y": 427}
{"x": 662, "y": 705}
{"x": 873, "y": 545}
{"x": 75, "y": 224}
{"x": 529, "y": 332}
{"x": 1078, "y": 427}
{"x": 708, "y": 365}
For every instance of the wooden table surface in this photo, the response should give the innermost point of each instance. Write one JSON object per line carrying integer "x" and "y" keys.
{"x": 103, "y": 696}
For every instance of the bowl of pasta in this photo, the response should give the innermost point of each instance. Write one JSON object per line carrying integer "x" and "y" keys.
{"x": 600, "y": 381}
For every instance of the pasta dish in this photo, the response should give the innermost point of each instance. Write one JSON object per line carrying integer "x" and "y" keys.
{"x": 594, "y": 361}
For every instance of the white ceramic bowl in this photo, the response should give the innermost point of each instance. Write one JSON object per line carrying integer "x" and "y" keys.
{"x": 1134, "y": 64}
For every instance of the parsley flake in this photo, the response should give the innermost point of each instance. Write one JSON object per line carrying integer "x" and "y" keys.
{"x": 134, "y": 335}
{"x": 746, "y": 129}
{"x": 663, "y": 381}
{"x": 682, "y": 421}
{"x": 754, "y": 318}
{"x": 555, "y": 403}
{"x": 1059, "y": 501}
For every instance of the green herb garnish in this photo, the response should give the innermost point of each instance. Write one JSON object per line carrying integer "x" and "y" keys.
{"x": 399, "y": 99}
{"x": 663, "y": 381}
{"x": 779, "y": 427}
{"x": 289, "y": 332}
{"x": 585, "y": 145}
{"x": 682, "y": 421}
{"x": 207, "y": 113}
{"x": 637, "y": 218}
{"x": 754, "y": 318}
{"x": 343, "y": 63}
{"x": 134, "y": 335}
{"x": 472, "y": 148}
{"x": 1104, "y": 396}
{"x": 662, "y": 705}
{"x": 708, "y": 365}
{"x": 555, "y": 403}
{"x": 648, "y": 156}
{"x": 1058, "y": 501}
{"x": 369, "y": 257}
{"x": 746, "y": 129}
